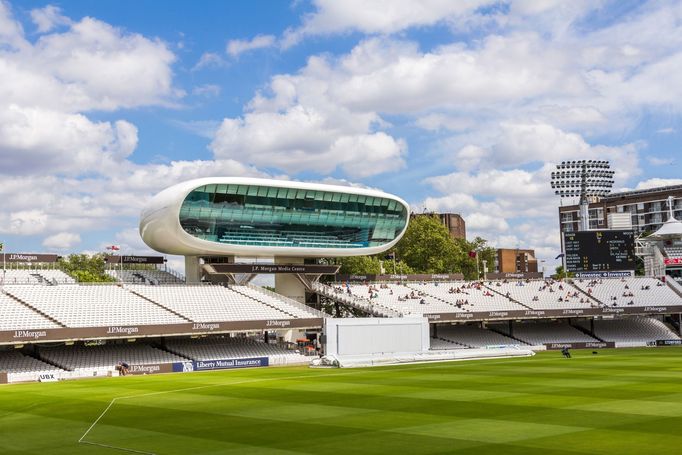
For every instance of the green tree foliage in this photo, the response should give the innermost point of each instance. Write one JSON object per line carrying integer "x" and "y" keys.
{"x": 360, "y": 265}
{"x": 484, "y": 253}
{"x": 427, "y": 247}
{"x": 559, "y": 275}
{"x": 85, "y": 268}
{"x": 371, "y": 265}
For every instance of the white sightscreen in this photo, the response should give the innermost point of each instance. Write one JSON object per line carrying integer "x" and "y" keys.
{"x": 386, "y": 338}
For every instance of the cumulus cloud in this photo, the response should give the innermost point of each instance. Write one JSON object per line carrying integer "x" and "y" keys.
{"x": 48, "y": 18}
{"x": 237, "y": 47}
{"x": 297, "y": 127}
{"x": 657, "y": 182}
{"x": 207, "y": 60}
{"x": 377, "y": 16}
{"x": 62, "y": 241}
{"x": 660, "y": 161}
{"x": 33, "y": 140}
{"x": 207, "y": 90}
{"x": 50, "y": 85}
{"x": 78, "y": 169}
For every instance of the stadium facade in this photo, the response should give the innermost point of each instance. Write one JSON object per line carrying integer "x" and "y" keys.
{"x": 647, "y": 210}
{"x": 259, "y": 217}
{"x": 217, "y": 219}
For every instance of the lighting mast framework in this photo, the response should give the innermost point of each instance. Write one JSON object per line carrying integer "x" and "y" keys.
{"x": 585, "y": 179}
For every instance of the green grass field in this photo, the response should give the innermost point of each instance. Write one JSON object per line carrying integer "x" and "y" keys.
{"x": 625, "y": 401}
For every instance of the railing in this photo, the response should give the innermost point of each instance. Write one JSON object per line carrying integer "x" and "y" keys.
{"x": 353, "y": 300}
{"x": 292, "y": 302}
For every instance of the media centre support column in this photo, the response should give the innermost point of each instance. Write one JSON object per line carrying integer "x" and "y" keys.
{"x": 192, "y": 269}
{"x": 287, "y": 284}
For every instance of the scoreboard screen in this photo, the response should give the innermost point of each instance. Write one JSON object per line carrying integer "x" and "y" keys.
{"x": 599, "y": 251}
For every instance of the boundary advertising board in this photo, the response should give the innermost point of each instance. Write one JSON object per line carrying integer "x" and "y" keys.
{"x": 588, "y": 345}
{"x": 464, "y": 316}
{"x": 225, "y": 364}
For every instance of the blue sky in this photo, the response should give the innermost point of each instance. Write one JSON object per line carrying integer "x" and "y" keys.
{"x": 454, "y": 106}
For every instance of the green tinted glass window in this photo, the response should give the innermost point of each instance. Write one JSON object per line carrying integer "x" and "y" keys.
{"x": 272, "y": 216}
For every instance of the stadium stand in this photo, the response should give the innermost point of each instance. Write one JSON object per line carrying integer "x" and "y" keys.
{"x": 35, "y": 276}
{"x": 402, "y": 299}
{"x": 234, "y": 348}
{"x": 637, "y": 291}
{"x": 155, "y": 277}
{"x": 338, "y": 293}
{"x": 17, "y": 316}
{"x": 391, "y": 299}
{"x": 634, "y": 331}
{"x": 21, "y": 367}
{"x": 673, "y": 251}
{"x": 540, "y": 332}
{"x": 210, "y": 303}
{"x": 92, "y": 306}
{"x": 473, "y": 336}
{"x": 468, "y": 296}
{"x": 543, "y": 294}
{"x": 100, "y": 360}
{"x": 282, "y": 303}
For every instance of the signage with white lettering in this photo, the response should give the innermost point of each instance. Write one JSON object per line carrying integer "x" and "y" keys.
{"x": 588, "y": 345}
{"x": 225, "y": 364}
{"x": 668, "y": 342}
{"x": 135, "y": 259}
{"x": 150, "y": 368}
{"x": 30, "y": 257}
{"x": 617, "y": 274}
{"x": 276, "y": 268}
{"x": 192, "y": 328}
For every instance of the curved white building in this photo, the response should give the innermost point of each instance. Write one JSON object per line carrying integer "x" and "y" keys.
{"x": 237, "y": 216}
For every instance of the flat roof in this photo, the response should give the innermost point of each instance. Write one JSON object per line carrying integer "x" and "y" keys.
{"x": 660, "y": 189}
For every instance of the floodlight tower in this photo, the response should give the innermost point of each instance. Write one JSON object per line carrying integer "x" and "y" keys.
{"x": 584, "y": 179}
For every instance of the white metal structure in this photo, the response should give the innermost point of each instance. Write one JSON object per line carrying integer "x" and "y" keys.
{"x": 160, "y": 226}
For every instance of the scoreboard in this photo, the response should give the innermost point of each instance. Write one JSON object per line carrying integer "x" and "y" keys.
{"x": 599, "y": 251}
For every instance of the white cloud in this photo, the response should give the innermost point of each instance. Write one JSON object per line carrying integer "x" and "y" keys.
{"x": 486, "y": 222}
{"x": 207, "y": 90}
{"x": 91, "y": 65}
{"x": 48, "y": 86}
{"x": 207, "y": 60}
{"x": 660, "y": 161}
{"x": 34, "y": 140}
{"x": 377, "y": 16}
{"x": 62, "y": 241}
{"x": 666, "y": 131}
{"x": 657, "y": 182}
{"x": 237, "y": 47}
{"x": 48, "y": 18}
{"x": 11, "y": 31}
{"x": 297, "y": 129}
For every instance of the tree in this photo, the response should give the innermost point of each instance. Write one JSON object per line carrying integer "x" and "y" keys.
{"x": 560, "y": 273}
{"x": 360, "y": 265}
{"x": 427, "y": 247}
{"x": 467, "y": 263}
{"x": 371, "y": 265}
{"x": 86, "y": 268}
